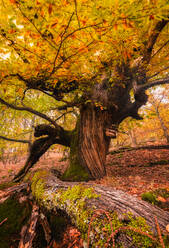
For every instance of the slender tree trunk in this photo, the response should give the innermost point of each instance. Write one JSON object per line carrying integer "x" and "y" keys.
{"x": 163, "y": 126}
{"x": 132, "y": 138}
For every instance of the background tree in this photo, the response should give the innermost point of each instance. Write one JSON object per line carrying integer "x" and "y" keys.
{"x": 159, "y": 108}
{"x": 97, "y": 58}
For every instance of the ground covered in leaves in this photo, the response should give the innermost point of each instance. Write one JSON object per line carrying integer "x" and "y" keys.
{"x": 134, "y": 172}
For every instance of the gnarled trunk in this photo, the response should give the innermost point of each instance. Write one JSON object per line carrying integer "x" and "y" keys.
{"x": 93, "y": 142}
{"x": 90, "y": 144}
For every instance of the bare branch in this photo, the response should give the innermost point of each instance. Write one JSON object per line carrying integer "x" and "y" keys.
{"x": 15, "y": 75}
{"x": 30, "y": 110}
{"x": 160, "y": 49}
{"x": 58, "y": 118}
{"x": 163, "y": 69}
{"x": 41, "y": 34}
{"x": 58, "y": 51}
{"x": 15, "y": 140}
{"x": 76, "y": 12}
{"x": 3, "y": 221}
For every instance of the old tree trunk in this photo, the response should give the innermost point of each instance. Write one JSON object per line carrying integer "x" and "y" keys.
{"x": 98, "y": 123}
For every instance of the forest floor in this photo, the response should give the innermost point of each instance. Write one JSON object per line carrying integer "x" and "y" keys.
{"x": 134, "y": 171}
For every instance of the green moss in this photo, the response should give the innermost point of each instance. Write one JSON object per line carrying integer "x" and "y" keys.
{"x": 73, "y": 201}
{"x": 38, "y": 184}
{"x": 101, "y": 230}
{"x": 149, "y": 197}
{"x": 140, "y": 240}
{"x": 152, "y": 197}
{"x": 75, "y": 172}
{"x": 17, "y": 214}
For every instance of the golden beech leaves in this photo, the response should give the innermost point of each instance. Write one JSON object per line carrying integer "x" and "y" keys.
{"x": 44, "y": 35}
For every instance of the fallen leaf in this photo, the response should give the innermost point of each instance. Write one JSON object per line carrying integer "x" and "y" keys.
{"x": 167, "y": 228}
{"x": 161, "y": 199}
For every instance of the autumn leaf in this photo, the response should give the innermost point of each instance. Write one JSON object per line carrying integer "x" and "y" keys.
{"x": 115, "y": 26}
{"x": 50, "y": 8}
{"x": 11, "y": 31}
{"x": 167, "y": 228}
{"x": 161, "y": 199}
{"x": 13, "y": 1}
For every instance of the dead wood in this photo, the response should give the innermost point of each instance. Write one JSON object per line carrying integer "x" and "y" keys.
{"x": 114, "y": 200}
{"x": 4, "y": 194}
{"x": 109, "y": 200}
{"x": 28, "y": 232}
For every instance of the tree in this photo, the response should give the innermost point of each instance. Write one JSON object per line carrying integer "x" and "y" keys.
{"x": 156, "y": 104}
{"x": 97, "y": 58}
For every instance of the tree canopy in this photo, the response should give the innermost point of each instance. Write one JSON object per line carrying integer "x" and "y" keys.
{"x": 63, "y": 46}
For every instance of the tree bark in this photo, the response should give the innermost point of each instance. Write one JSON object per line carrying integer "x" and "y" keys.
{"x": 114, "y": 200}
{"x": 90, "y": 144}
{"x": 93, "y": 142}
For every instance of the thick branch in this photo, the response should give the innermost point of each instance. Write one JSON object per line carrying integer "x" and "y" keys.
{"x": 108, "y": 200}
{"x": 62, "y": 137}
{"x": 141, "y": 98}
{"x": 153, "y": 83}
{"x": 41, "y": 145}
{"x": 152, "y": 40}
